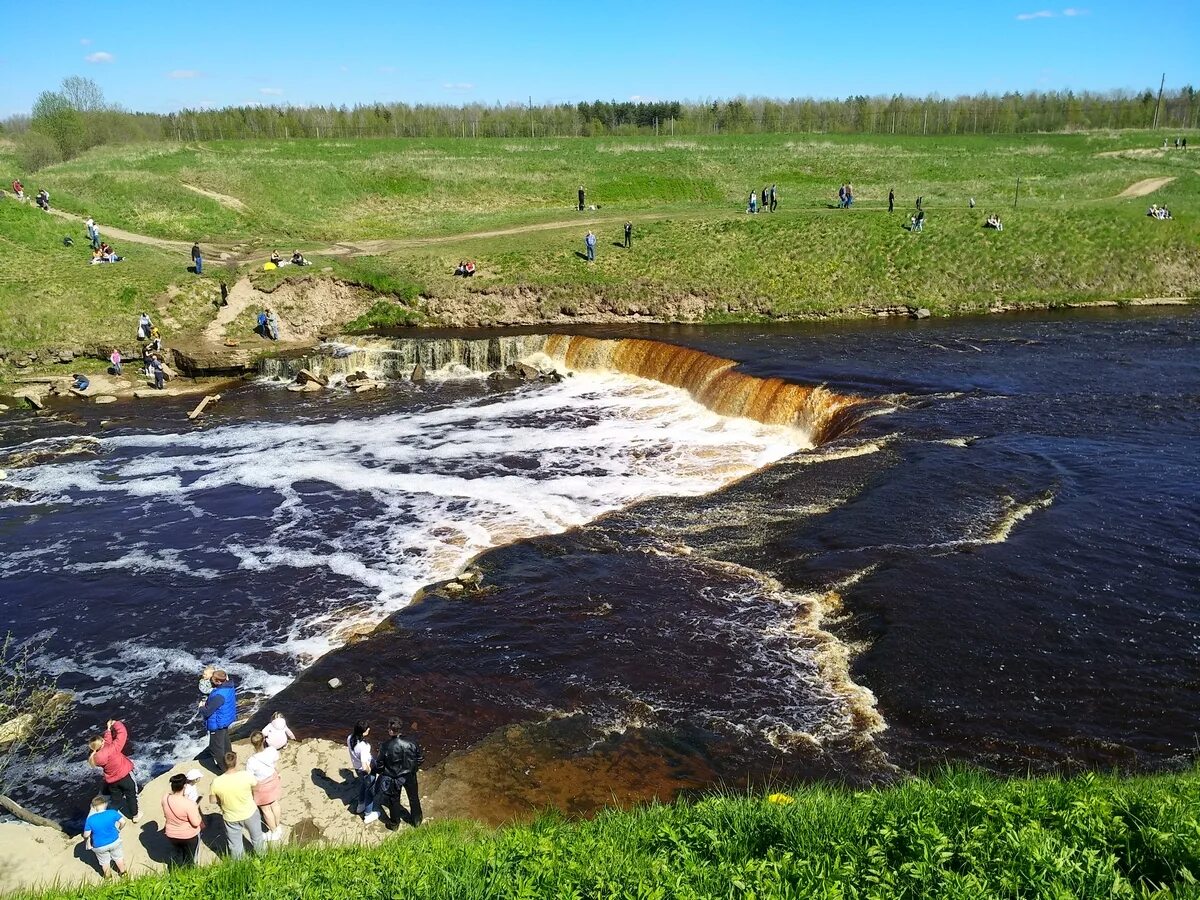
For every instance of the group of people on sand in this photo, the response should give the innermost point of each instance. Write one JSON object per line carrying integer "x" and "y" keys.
{"x": 247, "y": 796}
{"x": 766, "y": 201}
{"x": 1158, "y": 212}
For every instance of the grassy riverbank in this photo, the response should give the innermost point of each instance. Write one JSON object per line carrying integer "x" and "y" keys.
{"x": 959, "y": 835}
{"x": 408, "y": 210}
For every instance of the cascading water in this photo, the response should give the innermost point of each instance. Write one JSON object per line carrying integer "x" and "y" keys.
{"x": 710, "y": 380}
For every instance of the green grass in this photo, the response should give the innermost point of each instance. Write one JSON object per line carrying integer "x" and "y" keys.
{"x": 51, "y": 297}
{"x": 1068, "y": 240}
{"x": 960, "y": 835}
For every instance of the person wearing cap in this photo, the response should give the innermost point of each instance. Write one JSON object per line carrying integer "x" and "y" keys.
{"x": 219, "y": 711}
{"x": 192, "y": 789}
{"x": 182, "y": 823}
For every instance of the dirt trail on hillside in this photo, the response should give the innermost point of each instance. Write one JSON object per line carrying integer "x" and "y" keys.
{"x": 241, "y": 297}
{"x": 1144, "y": 187}
{"x": 108, "y": 232}
{"x": 224, "y": 199}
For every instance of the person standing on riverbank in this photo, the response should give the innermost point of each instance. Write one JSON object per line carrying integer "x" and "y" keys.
{"x": 891, "y": 200}
{"x": 360, "y": 761}
{"x": 628, "y": 235}
{"x": 102, "y": 835}
{"x": 233, "y": 793}
{"x": 589, "y": 242}
{"x": 115, "y": 358}
{"x": 219, "y": 710}
{"x": 582, "y": 195}
{"x": 197, "y": 258}
{"x": 268, "y": 787}
{"x": 182, "y": 822}
{"x": 396, "y": 767}
{"x": 108, "y": 755}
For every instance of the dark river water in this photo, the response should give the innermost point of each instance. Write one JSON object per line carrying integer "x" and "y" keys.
{"x": 1000, "y": 566}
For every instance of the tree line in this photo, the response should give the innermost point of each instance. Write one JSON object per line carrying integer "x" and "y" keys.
{"x": 65, "y": 122}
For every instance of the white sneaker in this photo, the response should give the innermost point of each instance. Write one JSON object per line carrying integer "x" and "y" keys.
{"x": 370, "y": 817}
{"x": 269, "y": 836}
{"x": 277, "y": 834}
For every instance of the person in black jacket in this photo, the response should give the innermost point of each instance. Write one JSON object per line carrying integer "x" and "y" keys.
{"x": 396, "y": 766}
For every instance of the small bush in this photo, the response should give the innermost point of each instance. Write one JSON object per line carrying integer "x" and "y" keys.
{"x": 385, "y": 314}
{"x": 35, "y": 151}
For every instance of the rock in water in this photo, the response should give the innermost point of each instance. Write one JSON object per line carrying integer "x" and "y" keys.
{"x": 921, "y": 313}
{"x": 104, "y": 398}
{"x": 418, "y": 372}
{"x": 334, "y": 683}
{"x": 528, "y": 372}
{"x": 306, "y": 377}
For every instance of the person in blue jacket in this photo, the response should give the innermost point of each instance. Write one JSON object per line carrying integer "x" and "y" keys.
{"x": 219, "y": 711}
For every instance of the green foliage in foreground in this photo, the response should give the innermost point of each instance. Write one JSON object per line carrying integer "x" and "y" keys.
{"x": 960, "y": 835}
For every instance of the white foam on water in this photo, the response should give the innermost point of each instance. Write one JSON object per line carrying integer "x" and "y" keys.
{"x": 422, "y": 492}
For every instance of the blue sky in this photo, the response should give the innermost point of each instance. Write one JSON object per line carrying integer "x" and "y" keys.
{"x": 162, "y": 56}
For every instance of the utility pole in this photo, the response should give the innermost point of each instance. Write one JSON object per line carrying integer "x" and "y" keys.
{"x": 1017, "y": 193}
{"x": 1158, "y": 102}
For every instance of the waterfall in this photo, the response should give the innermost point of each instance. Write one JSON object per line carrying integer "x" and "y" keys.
{"x": 711, "y": 380}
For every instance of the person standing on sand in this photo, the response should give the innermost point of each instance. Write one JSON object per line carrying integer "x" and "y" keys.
{"x": 182, "y": 823}
{"x": 395, "y": 767}
{"x": 582, "y": 195}
{"x": 589, "y": 241}
{"x": 268, "y": 788}
{"x": 197, "y": 259}
{"x": 108, "y": 754}
{"x": 628, "y": 235}
{"x": 891, "y": 199}
{"x": 219, "y": 710}
{"x": 102, "y": 835}
{"x": 233, "y": 793}
{"x": 361, "y": 761}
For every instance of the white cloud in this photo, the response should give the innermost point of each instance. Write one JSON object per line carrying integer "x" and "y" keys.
{"x": 183, "y": 73}
{"x": 85, "y": 41}
{"x": 458, "y": 86}
{"x": 1074, "y": 11}
{"x": 100, "y": 56}
{"x": 271, "y": 92}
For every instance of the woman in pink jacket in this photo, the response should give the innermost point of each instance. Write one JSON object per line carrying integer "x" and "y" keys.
{"x": 108, "y": 754}
{"x": 182, "y": 821}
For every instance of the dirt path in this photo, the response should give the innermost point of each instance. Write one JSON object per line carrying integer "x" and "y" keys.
{"x": 107, "y": 232}
{"x": 241, "y": 297}
{"x": 224, "y": 199}
{"x": 1144, "y": 187}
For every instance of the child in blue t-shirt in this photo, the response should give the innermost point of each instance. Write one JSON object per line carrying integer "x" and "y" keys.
{"x": 101, "y": 835}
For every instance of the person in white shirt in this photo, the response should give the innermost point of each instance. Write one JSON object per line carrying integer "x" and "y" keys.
{"x": 276, "y": 732}
{"x": 268, "y": 788}
{"x": 361, "y": 760}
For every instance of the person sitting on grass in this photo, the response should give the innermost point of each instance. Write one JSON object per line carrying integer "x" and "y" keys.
{"x": 102, "y": 835}
{"x": 276, "y": 258}
{"x": 18, "y": 188}
{"x": 993, "y": 221}
{"x": 97, "y": 257}
{"x": 298, "y": 259}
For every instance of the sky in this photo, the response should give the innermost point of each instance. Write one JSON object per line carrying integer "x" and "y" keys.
{"x": 163, "y": 56}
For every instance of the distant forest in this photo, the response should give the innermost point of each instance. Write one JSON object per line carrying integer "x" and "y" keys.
{"x": 67, "y": 121}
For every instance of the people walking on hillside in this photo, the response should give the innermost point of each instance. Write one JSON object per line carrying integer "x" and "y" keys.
{"x": 219, "y": 711}
{"x": 752, "y": 206}
{"x": 628, "y": 235}
{"x": 182, "y": 822}
{"x": 93, "y": 233}
{"x": 233, "y": 792}
{"x": 361, "y": 762}
{"x": 589, "y": 242}
{"x": 919, "y": 200}
{"x": 582, "y": 197}
{"x": 774, "y": 202}
{"x": 43, "y": 199}
{"x": 102, "y": 835}
{"x": 891, "y": 200}
{"x": 395, "y": 768}
{"x": 18, "y": 188}
{"x": 197, "y": 259}
{"x": 144, "y": 326}
{"x": 764, "y": 198}
{"x": 918, "y": 221}
{"x": 268, "y": 788}
{"x": 849, "y": 195}
{"x": 841, "y": 196}
{"x": 108, "y": 755}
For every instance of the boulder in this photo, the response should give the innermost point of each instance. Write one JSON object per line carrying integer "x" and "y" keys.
{"x": 334, "y": 683}
{"x": 418, "y": 373}
{"x": 66, "y": 356}
{"x": 105, "y": 398}
{"x": 357, "y": 377}
{"x": 920, "y": 313}
{"x": 365, "y": 386}
{"x": 527, "y": 372}
{"x": 304, "y": 376}
{"x": 453, "y": 587}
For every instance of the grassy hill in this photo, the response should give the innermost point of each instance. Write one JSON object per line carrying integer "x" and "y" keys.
{"x": 959, "y": 835}
{"x": 413, "y": 208}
